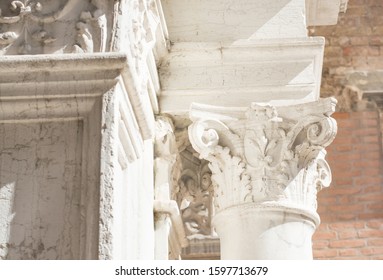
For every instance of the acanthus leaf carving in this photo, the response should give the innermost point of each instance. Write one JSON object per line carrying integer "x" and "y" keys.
{"x": 280, "y": 160}
{"x": 229, "y": 172}
{"x": 195, "y": 198}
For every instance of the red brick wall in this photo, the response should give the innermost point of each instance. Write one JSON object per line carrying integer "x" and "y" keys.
{"x": 351, "y": 209}
{"x": 355, "y": 43}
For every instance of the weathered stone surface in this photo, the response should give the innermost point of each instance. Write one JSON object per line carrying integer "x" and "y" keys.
{"x": 238, "y": 74}
{"x": 267, "y": 166}
{"x": 65, "y": 26}
{"x": 266, "y": 154}
{"x": 40, "y": 188}
{"x": 80, "y": 84}
{"x": 168, "y": 222}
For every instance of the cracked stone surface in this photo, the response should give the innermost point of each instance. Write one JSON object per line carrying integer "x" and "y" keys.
{"x": 40, "y": 167}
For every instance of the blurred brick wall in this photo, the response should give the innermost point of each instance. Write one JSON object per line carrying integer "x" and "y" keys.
{"x": 351, "y": 209}
{"x": 355, "y": 43}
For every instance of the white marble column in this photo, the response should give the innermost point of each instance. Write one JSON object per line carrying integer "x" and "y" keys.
{"x": 267, "y": 163}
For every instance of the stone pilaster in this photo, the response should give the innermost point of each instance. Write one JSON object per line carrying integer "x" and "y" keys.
{"x": 267, "y": 163}
{"x": 169, "y": 231}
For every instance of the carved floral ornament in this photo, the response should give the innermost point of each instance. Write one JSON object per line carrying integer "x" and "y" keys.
{"x": 145, "y": 21}
{"x": 269, "y": 155}
{"x": 25, "y": 23}
{"x": 190, "y": 187}
{"x": 195, "y": 201}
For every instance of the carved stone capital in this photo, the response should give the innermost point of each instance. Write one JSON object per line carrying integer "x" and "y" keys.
{"x": 271, "y": 156}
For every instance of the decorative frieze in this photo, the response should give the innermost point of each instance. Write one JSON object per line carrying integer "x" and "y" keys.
{"x": 273, "y": 156}
{"x": 190, "y": 183}
{"x": 34, "y": 27}
{"x": 91, "y": 31}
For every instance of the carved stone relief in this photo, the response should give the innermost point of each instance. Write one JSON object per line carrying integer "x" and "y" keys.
{"x": 44, "y": 26}
{"x": 145, "y": 22}
{"x": 266, "y": 154}
{"x": 195, "y": 200}
{"x": 193, "y": 189}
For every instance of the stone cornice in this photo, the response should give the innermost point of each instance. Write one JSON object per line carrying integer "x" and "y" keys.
{"x": 61, "y": 63}
{"x": 79, "y": 28}
{"x": 68, "y": 86}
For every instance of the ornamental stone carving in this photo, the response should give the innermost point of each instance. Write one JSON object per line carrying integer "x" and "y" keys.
{"x": 273, "y": 156}
{"x": 195, "y": 200}
{"x": 44, "y": 26}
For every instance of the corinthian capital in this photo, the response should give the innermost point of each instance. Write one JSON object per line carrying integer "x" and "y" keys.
{"x": 269, "y": 155}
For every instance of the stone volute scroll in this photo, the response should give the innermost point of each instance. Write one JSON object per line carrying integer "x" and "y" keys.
{"x": 267, "y": 164}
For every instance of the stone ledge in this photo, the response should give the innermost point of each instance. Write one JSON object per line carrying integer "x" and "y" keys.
{"x": 288, "y": 70}
{"x": 67, "y": 85}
